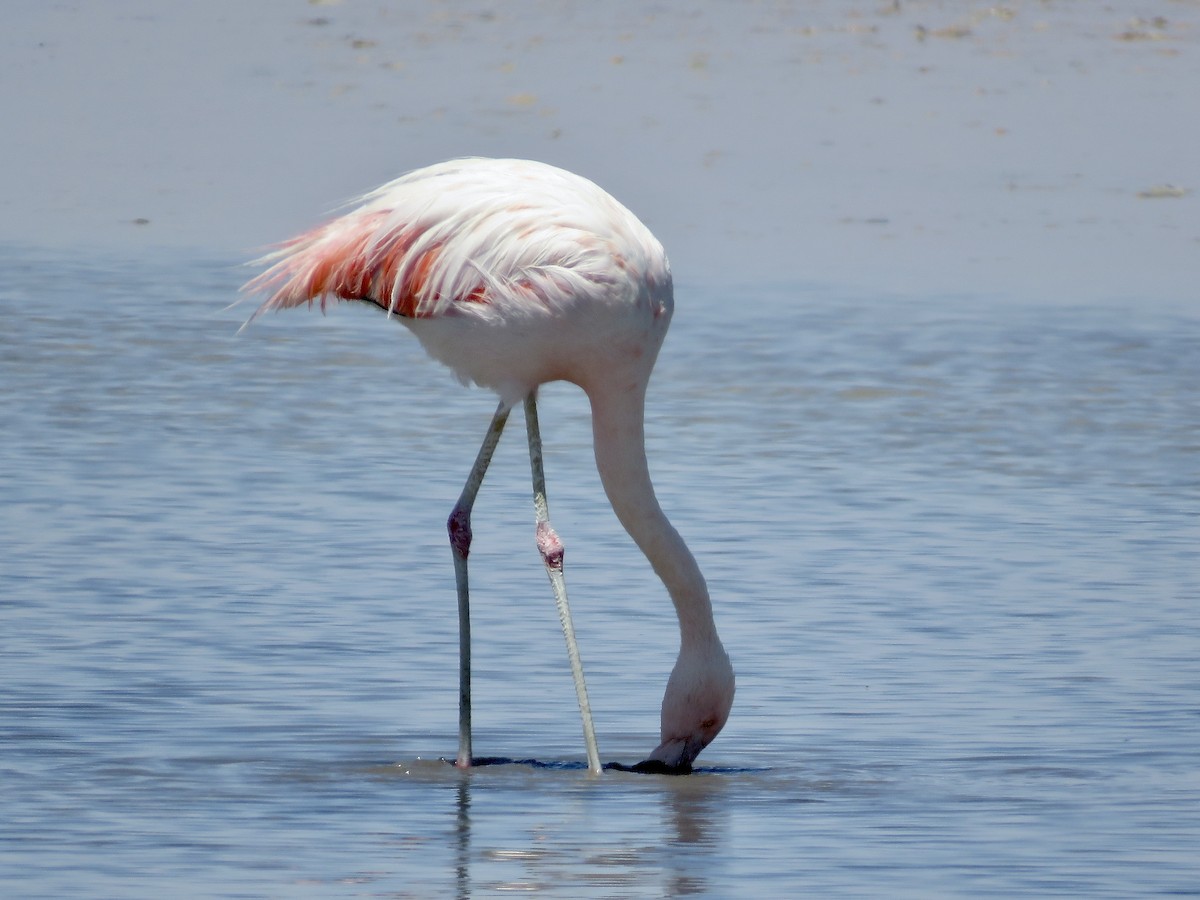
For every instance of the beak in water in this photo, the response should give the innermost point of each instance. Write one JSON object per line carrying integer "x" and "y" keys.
{"x": 695, "y": 708}
{"x": 673, "y": 757}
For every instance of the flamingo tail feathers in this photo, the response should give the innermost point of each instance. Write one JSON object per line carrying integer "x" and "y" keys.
{"x": 359, "y": 257}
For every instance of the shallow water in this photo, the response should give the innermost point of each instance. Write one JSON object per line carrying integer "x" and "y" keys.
{"x": 952, "y": 543}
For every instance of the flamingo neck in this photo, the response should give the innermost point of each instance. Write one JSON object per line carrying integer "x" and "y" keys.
{"x": 619, "y": 439}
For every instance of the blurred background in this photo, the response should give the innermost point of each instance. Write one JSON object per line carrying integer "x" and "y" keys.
{"x": 1045, "y": 149}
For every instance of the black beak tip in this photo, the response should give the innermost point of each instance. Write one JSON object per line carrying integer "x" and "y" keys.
{"x": 651, "y": 767}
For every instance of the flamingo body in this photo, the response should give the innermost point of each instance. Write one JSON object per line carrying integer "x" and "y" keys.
{"x": 515, "y": 273}
{"x": 512, "y": 273}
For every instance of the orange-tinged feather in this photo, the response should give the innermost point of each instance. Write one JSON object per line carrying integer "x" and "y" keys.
{"x": 355, "y": 264}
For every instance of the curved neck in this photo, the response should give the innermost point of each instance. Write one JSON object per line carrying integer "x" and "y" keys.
{"x": 619, "y": 439}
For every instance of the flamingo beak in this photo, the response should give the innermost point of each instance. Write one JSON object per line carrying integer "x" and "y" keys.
{"x": 673, "y": 756}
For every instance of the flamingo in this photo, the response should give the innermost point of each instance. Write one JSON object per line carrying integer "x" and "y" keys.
{"x": 515, "y": 273}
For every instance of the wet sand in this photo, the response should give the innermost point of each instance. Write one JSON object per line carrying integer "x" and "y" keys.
{"x": 1022, "y": 150}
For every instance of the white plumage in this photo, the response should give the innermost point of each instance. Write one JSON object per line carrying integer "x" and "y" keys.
{"x": 512, "y": 250}
{"x": 515, "y": 273}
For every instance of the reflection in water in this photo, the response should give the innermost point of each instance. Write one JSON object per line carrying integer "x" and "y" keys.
{"x": 462, "y": 836}
{"x": 695, "y": 814}
{"x": 673, "y": 845}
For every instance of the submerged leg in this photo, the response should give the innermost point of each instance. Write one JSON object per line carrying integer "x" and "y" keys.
{"x": 459, "y": 526}
{"x": 551, "y": 549}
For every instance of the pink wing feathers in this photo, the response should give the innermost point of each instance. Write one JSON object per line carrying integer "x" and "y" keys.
{"x": 366, "y": 255}
{"x": 468, "y": 232}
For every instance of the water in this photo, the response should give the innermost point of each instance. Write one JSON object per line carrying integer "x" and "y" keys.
{"x": 952, "y": 543}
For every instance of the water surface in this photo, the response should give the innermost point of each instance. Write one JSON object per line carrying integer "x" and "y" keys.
{"x": 951, "y": 543}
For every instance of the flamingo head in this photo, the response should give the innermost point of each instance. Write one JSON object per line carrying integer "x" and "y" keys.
{"x": 695, "y": 708}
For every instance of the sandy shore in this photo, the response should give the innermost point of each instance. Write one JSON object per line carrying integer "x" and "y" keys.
{"x": 1024, "y": 150}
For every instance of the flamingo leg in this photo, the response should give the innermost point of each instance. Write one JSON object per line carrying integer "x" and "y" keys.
{"x": 551, "y": 549}
{"x": 459, "y": 527}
